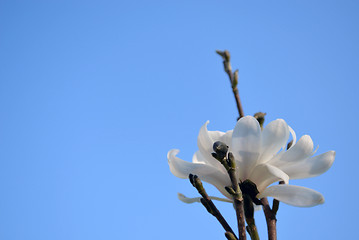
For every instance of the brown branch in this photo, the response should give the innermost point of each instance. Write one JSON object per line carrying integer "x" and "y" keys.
{"x": 237, "y": 198}
{"x": 227, "y": 160}
{"x": 233, "y": 78}
{"x": 275, "y": 205}
{"x": 209, "y": 205}
{"x": 238, "y": 204}
{"x": 270, "y": 219}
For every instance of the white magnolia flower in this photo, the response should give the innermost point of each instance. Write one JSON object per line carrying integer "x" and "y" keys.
{"x": 260, "y": 157}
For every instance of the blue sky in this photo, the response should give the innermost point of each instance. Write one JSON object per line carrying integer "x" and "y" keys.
{"x": 94, "y": 93}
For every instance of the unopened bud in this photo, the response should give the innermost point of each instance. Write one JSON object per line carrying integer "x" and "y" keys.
{"x": 197, "y": 183}
{"x": 220, "y": 149}
{"x": 224, "y": 54}
{"x": 227, "y": 56}
{"x": 230, "y": 236}
{"x": 190, "y": 177}
{"x": 235, "y": 79}
{"x": 260, "y": 118}
{"x": 289, "y": 145}
{"x": 230, "y": 190}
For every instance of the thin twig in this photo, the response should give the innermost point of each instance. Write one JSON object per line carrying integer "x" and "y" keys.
{"x": 271, "y": 220}
{"x": 207, "y": 202}
{"x": 233, "y": 78}
{"x": 275, "y": 205}
{"x": 238, "y": 203}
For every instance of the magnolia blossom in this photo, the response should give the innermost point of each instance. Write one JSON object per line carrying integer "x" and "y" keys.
{"x": 261, "y": 157}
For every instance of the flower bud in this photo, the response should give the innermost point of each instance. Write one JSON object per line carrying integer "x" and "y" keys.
{"x": 230, "y": 236}
{"x": 220, "y": 149}
{"x": 289, "y": 145}
{"x": 191, "y": 176}
{"x": 260, "y": 118}
{"x": 224, "y": 54}
{"x": 227, "y": 56}
{"x": 196, "y": 182}
{"x": 230, "y": 190}
{"x": 235, "y": 79}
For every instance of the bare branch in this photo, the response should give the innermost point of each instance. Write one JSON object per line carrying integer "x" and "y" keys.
{"x": 233, "y": 78}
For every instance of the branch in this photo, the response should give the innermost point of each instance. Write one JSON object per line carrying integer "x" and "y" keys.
{"x": 237, "y": 197}
{"x": 233, "y": 78}
{"x": 209, "y": 205}
{"x": 227, "y": 160}
{"x": 271, "y": 220}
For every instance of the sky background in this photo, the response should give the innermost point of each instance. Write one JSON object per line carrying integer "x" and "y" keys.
{"x": 93, "y": 94}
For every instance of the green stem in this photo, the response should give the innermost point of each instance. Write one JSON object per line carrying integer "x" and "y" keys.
{"x": 252, "y": 229}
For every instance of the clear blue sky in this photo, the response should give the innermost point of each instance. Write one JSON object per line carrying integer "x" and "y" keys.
{"x": 94, "y": 93}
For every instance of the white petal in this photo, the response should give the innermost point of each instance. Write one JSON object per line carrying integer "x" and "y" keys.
{"x": 264, "y": 175}
{"x": 294, "y": 137}
{"x": 274, "y": 137}
{"x": 298, "y": 152}
{"x": 310, "y": 167}
{"x": 246, "y": 145}
{"x": 185, "y": 199}
{"x": 293, "y": 195}
{"x": 182, "y": 169}
{"x": 198, "y": 158}
{"x": 205, "y": 172}
{"x": 205, "y": 142}
{"x": 227, "y": 138}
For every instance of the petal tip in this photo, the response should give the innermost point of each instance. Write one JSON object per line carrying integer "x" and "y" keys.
{"x": 281, "y": 120}
{"x": 172, "y": 153}
{"x": 205, "y": 124}
{"x": 306, "y": 137}
{"x": 247, "y": 118}
{"x": 185, "y": 199}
